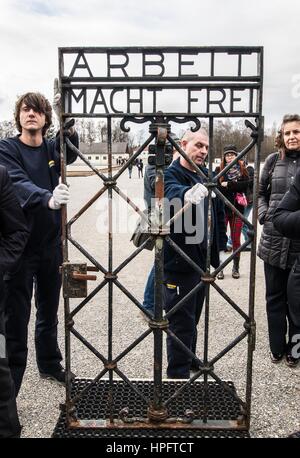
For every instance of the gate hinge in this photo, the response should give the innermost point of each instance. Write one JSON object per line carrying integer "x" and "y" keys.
{"x": 75, "y": 277}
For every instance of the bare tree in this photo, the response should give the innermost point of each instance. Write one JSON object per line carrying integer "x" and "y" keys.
{"x": 8, "y": 129}
{"x": 51, "y": 132}
{"x": 90, "y": 132}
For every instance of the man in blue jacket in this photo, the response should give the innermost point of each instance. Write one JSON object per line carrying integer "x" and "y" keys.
{"x": 184, "y": 185}
{"x": 33, "y": 164}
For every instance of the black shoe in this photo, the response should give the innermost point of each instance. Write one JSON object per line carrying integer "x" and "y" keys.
{"x": 235, "y": 273}
{"x": 195, "y": 367}
{"x": 235, "y": 268}
{"x": 247, "y": 248}
{"x": 291, "y": 361}
{"x": 220, "y": 275}
{"x": 58, "y": 376}
{"x": 178, "y": 376}
{"x": 276, "y": 357}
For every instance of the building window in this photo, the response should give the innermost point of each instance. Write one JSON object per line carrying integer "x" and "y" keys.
{"x": 89, "y": 158}
{"x": 97, "y": 158}
{"x": 104, "y": 158}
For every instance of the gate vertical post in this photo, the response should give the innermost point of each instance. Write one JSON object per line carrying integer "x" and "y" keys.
{"x": 156, "y": 411}
{"x": 65, "y": 255}
{"x": 110, "y": 268}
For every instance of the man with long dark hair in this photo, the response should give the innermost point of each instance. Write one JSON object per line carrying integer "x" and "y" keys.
{"x": 33, "y": 163}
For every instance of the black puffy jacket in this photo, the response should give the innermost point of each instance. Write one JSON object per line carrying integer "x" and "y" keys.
{"x": 275, "y": 249}
{"x": 287, "y": 215}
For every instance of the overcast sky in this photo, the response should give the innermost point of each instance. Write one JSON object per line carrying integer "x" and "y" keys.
{"x": 32, "y": 30}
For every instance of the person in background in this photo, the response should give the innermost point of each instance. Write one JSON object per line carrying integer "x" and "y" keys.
{"x": 33, "y": 163}
{"x": 13, "y": 237}
{"x": 130, "y": 167}
{"x": 235, "y": 181}
{"x": 279, "y": 252}
{"x": 249, "y": 207}
{"x": 140, "y": 166}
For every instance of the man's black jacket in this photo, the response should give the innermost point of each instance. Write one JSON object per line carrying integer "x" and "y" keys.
{"x": 13, "y": 228}
{"x": 286, "y": 218}
{"x": 35, "y": 173}
{"x": 178, "y": 180}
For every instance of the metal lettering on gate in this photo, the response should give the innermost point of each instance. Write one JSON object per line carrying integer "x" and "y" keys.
{"x": 138, "y": 85}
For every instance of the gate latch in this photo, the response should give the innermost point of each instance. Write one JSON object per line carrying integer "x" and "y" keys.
{"x": 75, "y": 279}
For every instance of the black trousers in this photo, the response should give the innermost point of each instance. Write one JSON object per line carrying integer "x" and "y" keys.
{"x": 9, "y": 421}
{"x": 278, "y": 310}
{"x": 294, "y": 301}
{"x": 183, "y": 323}
{"x": 43, "y": 270}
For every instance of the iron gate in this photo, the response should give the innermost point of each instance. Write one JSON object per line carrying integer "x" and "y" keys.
{"x": 142, "y": 77}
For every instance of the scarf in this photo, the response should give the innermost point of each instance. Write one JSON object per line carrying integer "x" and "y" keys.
{"x": 234, "y": 172}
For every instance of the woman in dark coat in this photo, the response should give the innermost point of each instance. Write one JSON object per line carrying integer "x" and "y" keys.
{"x": 236, "y": 180}
{"x": 287, "y": 221}
{"x": 279, "y": 252}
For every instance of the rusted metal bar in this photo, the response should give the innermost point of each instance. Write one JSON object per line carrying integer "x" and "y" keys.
{"x": 86, "y": 206}
{"x": 83, "y": 277}
{"x": 87, "y": 299}
{"x": 155, "y": 409}
{"x": 85, "y": 160}
{"x": 62, "y": 140}
{"x": 92, "y": 269}
{"x": 184, "y": 256}
{"x": 230, "y": 301}
{"x": 252, "y": 333}
{"x": 87, "y": 344}
{"x": 171, "y": 116}
{"x": 87, "y": 254}
{"x": 134, "y": 156}
{"x": 88, "y": 388}
{"x": 208, "y": 262}
{"x": 132, "y": 256}
{"x": 247, "y": 50}
{"x": 184, "y": 299}
{"x": 110, "y": 268}
{"x": 172, "y": 424}
{"x": 133, "y": 345}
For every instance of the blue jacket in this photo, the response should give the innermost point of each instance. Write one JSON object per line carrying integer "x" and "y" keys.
{"x": 35, "y": 172}
{"x": 178, "y": 180}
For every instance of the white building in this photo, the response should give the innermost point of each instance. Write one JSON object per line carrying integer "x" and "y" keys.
{"x": 97, "y": 153}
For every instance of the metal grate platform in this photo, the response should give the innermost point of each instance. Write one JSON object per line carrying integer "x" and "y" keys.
{"x": 94, "y": 405}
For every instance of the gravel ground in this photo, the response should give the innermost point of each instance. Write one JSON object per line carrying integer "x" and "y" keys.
{"x": 276, "y": 388}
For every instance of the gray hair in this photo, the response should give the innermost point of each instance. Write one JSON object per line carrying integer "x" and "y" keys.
{"x": 189, "y": 135}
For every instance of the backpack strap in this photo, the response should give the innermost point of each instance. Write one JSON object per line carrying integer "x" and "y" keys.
{"x": 271, "y": 171}
{"x": 274, "y": 160}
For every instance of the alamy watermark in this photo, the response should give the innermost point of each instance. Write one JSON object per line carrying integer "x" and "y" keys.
{"x": 296, "y": 348}
{"x": 2, "y": 347}
{"x": 190, "y": 222}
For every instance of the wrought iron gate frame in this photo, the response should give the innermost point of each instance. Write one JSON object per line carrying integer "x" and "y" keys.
{"x": 159, "y": 130}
